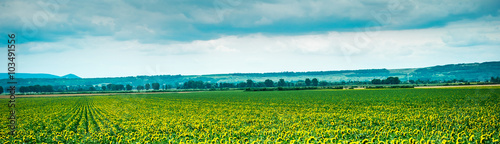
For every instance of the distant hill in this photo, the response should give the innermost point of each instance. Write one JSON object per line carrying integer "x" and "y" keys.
{"x": 468, "y": 71}
{"x": 70, "y": 76}
{"x": 36, "y": 75}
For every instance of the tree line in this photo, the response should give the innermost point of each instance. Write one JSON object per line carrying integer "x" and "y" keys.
{"x": 389, "y": 80}
{"x": 36, "y": 88}
{"x": 495, "y": 80}
{"x": 249, "y": 83}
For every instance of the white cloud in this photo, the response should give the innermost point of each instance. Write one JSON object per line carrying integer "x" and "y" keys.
{"x": 263, "y": 21}
{"x": 146, "y": 28}
{"x": 464, "y": 38}
{"x": 105, "y": 56}
{"x": 472, "y": 33}
{"x": 208, "y": 17}
{"x": 203, "y": 20}
{"x": 103, "y": 21}
{"x": 121, "y": 38}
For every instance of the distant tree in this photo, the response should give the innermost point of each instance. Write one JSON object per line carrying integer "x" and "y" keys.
{"x": 259, "y": 84}
{"x": 300, "y": 83}
{"x": 92, "y": 88}
{"x": 209, "y": 85}
{"x": 156, "y": 86}
{"x": 148, "y": 86}
{"x": 323, "y": 83}
{"x": 1, "y": 90}
{"x": 30, "y": 89}
{"x": 376, "y": 81}
{"x": 396, "y": 80}
{"x": 269, "y": 83}
{"x": 250, "y": 83}
{"x": 140, "y": 87}
{"x": 241, "y": 84}
{"x": 119, "y": 87}
{"x": 103, "y": 88}
{"x": 43, "y": 88}
{"x": 168, "y": 86}
{"x": 495, "y": 80}
{"x": 281, "y": 82}
{"x": 110, "y": 86}
{"x": 199, "y": 84}
{"x": 219, "y": 85}
{"x": 308, "y": 82}
{"x": 47, "y": 88}
{"x": 315, "y": 82}
{"x": 187, "y": 85}
{"x": 392, "y": 80}
{"x": 23, "y": 89}
{"x": 37, "y": 88}
{"x": 411, "y": 81}
{"x": 194, "y": 85}
{"x": 227, "y": 85}
{"x": 384, "y": 81}
{"x": 128, "y": 87}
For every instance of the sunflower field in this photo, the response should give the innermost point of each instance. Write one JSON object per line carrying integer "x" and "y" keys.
{"x": 453, "y": 115}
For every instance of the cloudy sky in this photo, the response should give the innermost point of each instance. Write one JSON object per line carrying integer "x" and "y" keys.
{"x": 109, "y": 38}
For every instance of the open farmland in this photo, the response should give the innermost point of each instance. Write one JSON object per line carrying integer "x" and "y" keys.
{"x": 390, "y": 115}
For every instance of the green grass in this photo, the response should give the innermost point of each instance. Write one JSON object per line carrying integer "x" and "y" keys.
{"x": 276, "y": 116}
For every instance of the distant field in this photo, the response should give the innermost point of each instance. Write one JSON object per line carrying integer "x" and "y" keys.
{"x": 391, "y": 115}
{"x": 460, "y": 86}
{"x": 86, "y": 94}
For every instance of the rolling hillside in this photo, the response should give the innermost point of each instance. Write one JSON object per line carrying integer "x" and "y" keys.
{"x": 469, "y": 71}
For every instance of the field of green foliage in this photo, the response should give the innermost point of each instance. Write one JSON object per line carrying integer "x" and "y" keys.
{"x": 470, "y": 115}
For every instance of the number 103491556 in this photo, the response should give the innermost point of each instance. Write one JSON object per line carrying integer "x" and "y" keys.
{"x": 11, "y": 55}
